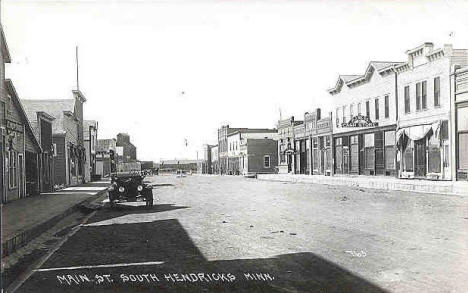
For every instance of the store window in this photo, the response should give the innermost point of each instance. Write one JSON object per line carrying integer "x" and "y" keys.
{"x": 434, "y": 164}
{"x": 369, "y": 150}
{"x": 390, "y": 149}
{"x": 408, "y": 156}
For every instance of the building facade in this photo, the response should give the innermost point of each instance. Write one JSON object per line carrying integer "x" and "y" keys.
{"x": 460, "y": 123}
{"x": 234, "y": 141}
{"x": 365, "y": 117}
{"x": 104, "y": 150}
{"x": 67, "y": 137}
{"x": 41, "y": 123}
{"x": 425, "y": 142}
{"x": 4, "y": 58}
{"x": 258, "y": 156}
{"x": 90, "y": 137}
{"x": 129, "y": 151}
{"x": 286, "y": 145}
{"x": 21, "y": 150}
{"x": 319, "y": 143}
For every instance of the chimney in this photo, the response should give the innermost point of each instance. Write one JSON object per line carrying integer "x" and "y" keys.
{"x": 448, "y": 49}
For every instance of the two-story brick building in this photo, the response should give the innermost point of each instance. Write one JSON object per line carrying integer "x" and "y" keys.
{"x": 236, "y": 158}
{"x": 365, "y": 121}
{"x": 67, "y": 133}
{"x": 425, "y": 142}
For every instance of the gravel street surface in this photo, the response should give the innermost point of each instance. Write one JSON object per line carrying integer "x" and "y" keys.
{"x": 232, "y": 234}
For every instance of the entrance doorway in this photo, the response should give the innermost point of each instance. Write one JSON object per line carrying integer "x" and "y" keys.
{"x": 420, "y": 158}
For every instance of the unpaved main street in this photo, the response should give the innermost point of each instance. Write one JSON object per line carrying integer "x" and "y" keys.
{"x": 231, "y": 234}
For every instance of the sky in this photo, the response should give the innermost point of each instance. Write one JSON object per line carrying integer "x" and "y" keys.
{"x": 166, "y": 71}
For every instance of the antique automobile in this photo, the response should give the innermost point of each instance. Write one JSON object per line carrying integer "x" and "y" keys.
{"x": 130, "y": 187}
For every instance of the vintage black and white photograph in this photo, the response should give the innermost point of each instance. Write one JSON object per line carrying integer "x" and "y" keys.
{"x": 274, "y": 146}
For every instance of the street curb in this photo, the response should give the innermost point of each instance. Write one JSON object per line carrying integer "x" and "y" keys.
{"x": 446, "y": 188}
{"x": 21, "y": 239}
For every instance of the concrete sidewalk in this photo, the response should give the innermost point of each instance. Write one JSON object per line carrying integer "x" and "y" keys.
{"x": 375, "y": 182}
{"x": 26, "y": 218}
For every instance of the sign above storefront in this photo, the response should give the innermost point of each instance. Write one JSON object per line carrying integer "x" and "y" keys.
{"x": 12, "y": 126}
{"x": 359, "y": 121}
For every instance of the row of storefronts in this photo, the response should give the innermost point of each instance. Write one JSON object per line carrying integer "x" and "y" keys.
{"x": 42, "y": 146}
{"x": 401, "y": 119}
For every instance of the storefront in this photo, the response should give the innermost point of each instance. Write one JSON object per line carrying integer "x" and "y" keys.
{"x": 424, "y": 151}
{"x": 369, "y": 150}
{"x": 322, "y": 155}
{"x": 300, "y": 150}
{"x": 20, "y": 151}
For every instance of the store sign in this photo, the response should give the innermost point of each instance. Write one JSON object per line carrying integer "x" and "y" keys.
{"x": 359, "y": 121}
{"x": 12, "y": 126}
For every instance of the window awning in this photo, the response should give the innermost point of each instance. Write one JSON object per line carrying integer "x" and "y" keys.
{"x": 419, "y": 131}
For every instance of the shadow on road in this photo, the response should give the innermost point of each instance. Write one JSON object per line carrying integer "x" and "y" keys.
{"x": 184, "y": 268}
{"x": 123, "y": 210}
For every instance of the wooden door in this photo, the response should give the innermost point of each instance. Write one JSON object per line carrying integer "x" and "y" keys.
{"x": 420, "y": 158}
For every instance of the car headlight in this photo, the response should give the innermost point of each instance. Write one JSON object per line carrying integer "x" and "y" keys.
{"x": 121, "y": 189}
{"x": 140, "y": 188}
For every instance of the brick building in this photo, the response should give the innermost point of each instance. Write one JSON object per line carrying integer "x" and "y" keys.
{"x": 67, "y": 136}
{"x": 129, "y": 152}
{"x": 365, "y": 121}
{"x": 425, "y": 142}
{"x": 258, "y": 155}
{"x": 235, "y": 157}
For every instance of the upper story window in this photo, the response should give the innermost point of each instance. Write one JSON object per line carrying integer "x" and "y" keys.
{"x": 407, "y": 100}
{"x": 359, "y": 109}
{"x": 377, "y": 109}
{"x": 437, "y": 91}
{"x": 418, "y": 96}
{"x": 387, "y": 108}
{"x": 351, "y": 111}
{"x": 367, "y": 108}
{"x": 344, "y": 113}
{"x": 337, "y": 117}
{"x": 424, "y": 94}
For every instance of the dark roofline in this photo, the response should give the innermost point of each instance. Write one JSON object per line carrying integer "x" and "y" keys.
{"x": 11, "y": 88}
{"x": 46, "y": 115}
